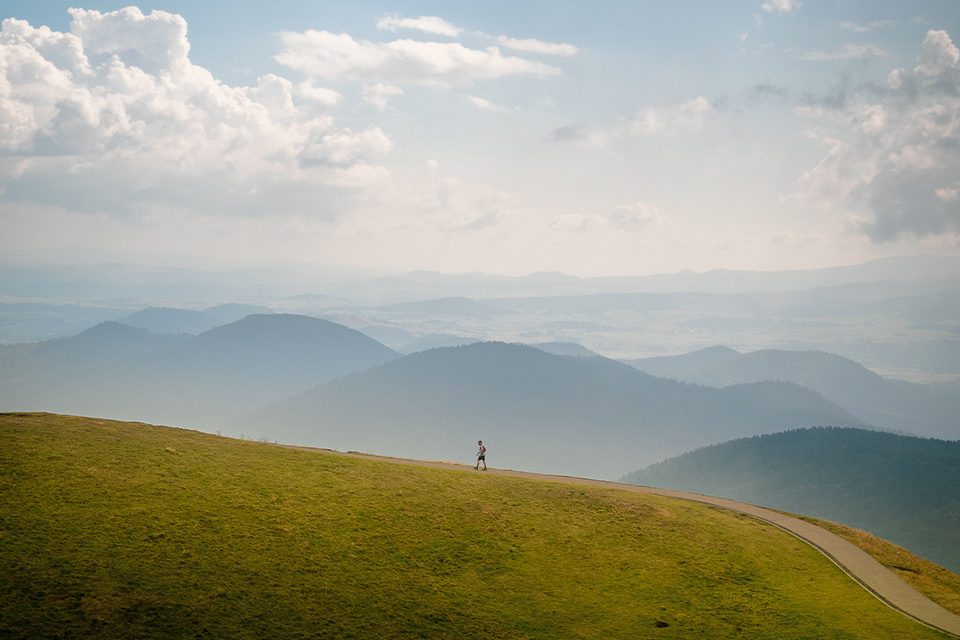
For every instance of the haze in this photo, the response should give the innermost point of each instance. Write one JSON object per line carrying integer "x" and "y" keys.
{"x": 619, "y": 138}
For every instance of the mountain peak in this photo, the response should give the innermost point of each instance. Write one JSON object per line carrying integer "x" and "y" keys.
{"x": 111, "y": 329}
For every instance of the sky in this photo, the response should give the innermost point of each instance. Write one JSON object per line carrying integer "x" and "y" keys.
{"x": 608, "y": 138}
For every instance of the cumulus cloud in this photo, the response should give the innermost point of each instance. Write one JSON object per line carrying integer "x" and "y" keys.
{"x": 636, "y": 215}
{"x": 345, "y": 148}
{"x": 153, "y": 42}
{"x": 428, "y": 24}
{"x": 780, "y": 6}
{"x": 377, "y": 95}
{"x": 327, "y": 98}
{"x": 118, "y": 117}
{"x": 530, "y": 45}
{"x": 894, "y": 160}
{"x": 327, "y": 55}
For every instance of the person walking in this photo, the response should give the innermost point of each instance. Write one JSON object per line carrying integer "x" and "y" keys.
{"x": 481, "y": 455}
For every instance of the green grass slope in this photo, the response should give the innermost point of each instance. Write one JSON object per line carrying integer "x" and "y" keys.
{"x": 112, "y": 529}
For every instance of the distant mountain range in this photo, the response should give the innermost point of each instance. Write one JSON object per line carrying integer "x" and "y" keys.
{"x": 576, "y": 415}
{"x": 919, "y": 300}
{"x": 902, "y": 488}
{"x": 551, "y": 406}
{"x": 200, "y": 380}
{"x": 928, "y": 410}
{"x": 898, "y": 316}
{"x": 118, "y": 280}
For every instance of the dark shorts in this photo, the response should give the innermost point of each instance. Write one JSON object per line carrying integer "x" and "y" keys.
{"x": 482, "y": 457}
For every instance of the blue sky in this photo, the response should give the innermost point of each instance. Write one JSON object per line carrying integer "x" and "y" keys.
{"x": 613, "y": 138}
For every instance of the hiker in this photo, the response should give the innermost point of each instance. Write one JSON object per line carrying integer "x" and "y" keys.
{"x": 481, "y": 455}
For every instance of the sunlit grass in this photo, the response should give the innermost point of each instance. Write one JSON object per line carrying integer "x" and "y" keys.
{"x": 114, "y": 529}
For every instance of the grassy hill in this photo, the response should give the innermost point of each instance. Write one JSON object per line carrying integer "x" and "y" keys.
{"x": 903, "y": 488}
{"x": 114, "y": 529}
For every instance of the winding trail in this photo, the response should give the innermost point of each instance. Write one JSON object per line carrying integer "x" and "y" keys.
{"x": 854, "y": 561}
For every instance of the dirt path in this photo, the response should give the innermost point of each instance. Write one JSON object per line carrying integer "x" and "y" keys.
{"x": 853, "y": 560}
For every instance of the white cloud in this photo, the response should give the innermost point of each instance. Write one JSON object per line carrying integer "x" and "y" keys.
{"x": 118, "y": 117}
{"x": 319, "y": 95}
{"x": 427, "y": 24}
{"x": 376, "y": 95}
{"x": 329, "y": 55}
{"x": 484, "y": 104}
{"x": 345, "y": 148}
{"x": 865, "y": 27}
{"x": 154, "y": 42}
{"x": 846, "y": 52}
{"x": 890, "y": 157}
{"x": 636, "y": 215}
{"x": 686, "y": 116}
{"x": 457, "y": 205}
{"x": 690, "y": 115}
{"x": 939, "y": 59}
{"x": 947, "y": 195}
{"x": 780, "y": 6}
{"x": 529, "y": 45}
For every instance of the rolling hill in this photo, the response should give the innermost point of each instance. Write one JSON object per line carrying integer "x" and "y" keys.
{"x": 565, "y": 349}
{"x": 927, "y": 410}
{"x": 582, "y": 416}
{"x": 173, "y": 320}
{"x": 205, "y": 379}
{"x": 98, "y": 346}
{"x": 128, "y": 530}
{"x": 901, "y": 488}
